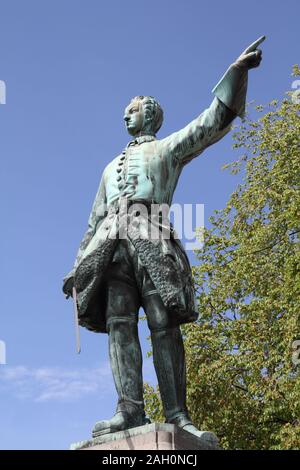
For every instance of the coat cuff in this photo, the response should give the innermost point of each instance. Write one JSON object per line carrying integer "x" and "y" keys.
{"x": 232, "y": 89}
{"x": 69, "y": 275}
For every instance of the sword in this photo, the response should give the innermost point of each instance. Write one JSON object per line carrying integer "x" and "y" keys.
{"x": 77, "y": 333}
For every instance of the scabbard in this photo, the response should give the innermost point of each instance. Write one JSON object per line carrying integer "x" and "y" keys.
{"x": 77, "y": 333}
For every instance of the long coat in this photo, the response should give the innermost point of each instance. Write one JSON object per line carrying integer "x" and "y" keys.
{"x": 148, "y": 171}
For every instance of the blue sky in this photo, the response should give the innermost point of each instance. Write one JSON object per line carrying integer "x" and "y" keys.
{"x": 70, "y": 68}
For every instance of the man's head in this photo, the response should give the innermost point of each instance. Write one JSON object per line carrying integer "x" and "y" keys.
{"x": 143, "y": 116}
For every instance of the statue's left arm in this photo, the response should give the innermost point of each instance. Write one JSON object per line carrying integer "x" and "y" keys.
{"x": 96, "y": 216}
{"x": 215, "y": 122}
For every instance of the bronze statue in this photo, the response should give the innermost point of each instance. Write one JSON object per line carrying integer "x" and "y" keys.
{"x": 114, "y": 276}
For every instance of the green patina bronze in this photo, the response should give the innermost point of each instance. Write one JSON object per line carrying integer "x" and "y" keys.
{"x": 114, "y": 276}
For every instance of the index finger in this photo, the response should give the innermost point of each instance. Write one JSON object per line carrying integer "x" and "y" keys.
{"x": 254, "y": 45}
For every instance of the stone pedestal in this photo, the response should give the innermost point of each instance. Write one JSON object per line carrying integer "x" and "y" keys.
{"x": 154, "y": 436}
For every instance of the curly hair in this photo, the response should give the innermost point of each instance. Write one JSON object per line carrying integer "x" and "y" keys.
{"x": 154, "y": 114}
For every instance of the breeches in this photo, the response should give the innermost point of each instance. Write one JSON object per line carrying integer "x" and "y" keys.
{"x": 129, "y": 287}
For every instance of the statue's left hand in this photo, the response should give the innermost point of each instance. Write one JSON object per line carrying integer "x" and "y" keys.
{"x": 68, "y": 284}
{"x": 251, "y": 57}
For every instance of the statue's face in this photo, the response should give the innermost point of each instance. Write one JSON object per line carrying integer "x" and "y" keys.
{"x": 134, "y": 117}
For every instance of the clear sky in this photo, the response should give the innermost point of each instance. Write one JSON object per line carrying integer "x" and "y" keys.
{"x": 70, "y": 68}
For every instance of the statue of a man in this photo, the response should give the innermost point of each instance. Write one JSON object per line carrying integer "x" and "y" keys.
{"x": 114, "y": 276}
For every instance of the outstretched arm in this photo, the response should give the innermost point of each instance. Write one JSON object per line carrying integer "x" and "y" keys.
{"x": 214, "y": 122}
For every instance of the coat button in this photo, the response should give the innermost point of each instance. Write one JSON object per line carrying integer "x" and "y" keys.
{"x": 119, "y": 178}
{"x": 119, "y": 169}
{"x": 122, "y": 158}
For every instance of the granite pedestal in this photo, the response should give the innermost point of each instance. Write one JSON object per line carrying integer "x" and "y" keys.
{"x": 154, "y": 436}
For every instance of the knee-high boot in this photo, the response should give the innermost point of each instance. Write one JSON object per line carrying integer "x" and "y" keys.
{"x": 126, "y": 363}
{"x": 169, "y": 362}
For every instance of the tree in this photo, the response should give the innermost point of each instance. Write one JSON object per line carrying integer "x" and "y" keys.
{"x": 243, "y": 379}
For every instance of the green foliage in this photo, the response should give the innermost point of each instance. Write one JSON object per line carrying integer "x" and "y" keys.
{"x": 242, "y": 382}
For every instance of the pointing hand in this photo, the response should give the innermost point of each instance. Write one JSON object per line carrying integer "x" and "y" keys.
{"x": 251, "y": 57}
